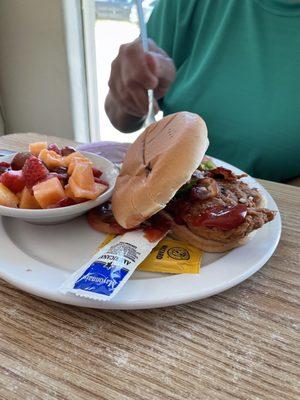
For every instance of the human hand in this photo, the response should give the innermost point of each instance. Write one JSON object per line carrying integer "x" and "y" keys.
{"x": 133, "y": 72}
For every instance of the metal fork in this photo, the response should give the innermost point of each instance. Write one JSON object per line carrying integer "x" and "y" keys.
{"x": 143, "y": 30}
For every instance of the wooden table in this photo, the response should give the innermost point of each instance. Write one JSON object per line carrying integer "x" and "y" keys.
{"x": 241, "y": 344}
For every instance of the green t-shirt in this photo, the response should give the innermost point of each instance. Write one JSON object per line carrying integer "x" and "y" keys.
{"x": 238, "y": 66}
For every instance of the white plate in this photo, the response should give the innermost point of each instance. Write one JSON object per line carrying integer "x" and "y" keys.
{"x": 38, "y": 259}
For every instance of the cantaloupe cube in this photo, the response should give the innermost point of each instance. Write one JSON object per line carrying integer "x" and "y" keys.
{"x": 69, "y": 193}
{"x": 83, "y": 176}
{"x": 37, "y": 147}
{"x": 28, "y": 200}
{"x": 75, "y": 158}
{"x": 51, "y": 158}
{"x": 68, "y": 159}
{"x": 19, "y": 195}
{"x": 7, "y": 197}
{"x": 78, "y": 160}
{"x": 49, "y": 192}
{"x": 82, "y": 182}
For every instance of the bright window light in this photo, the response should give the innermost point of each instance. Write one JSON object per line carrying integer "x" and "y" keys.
{"x": 116, "y": 23}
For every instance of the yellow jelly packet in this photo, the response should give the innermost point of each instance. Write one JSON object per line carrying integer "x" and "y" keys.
{"x": 169, "y": 256}
{"x": 173, "y": 257}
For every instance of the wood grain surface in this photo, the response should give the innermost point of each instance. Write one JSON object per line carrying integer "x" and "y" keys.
{"x": 242, "y": 344}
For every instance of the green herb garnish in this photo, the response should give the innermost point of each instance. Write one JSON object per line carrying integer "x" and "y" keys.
{"x": 207, "y": 165}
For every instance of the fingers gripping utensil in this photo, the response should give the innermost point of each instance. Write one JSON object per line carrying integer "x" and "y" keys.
{"x": 143, "y": 30}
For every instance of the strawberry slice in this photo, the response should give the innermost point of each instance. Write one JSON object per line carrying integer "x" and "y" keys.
{"x": 34, "y": 171}
{"x": 103, "y": 182}
{"x": 54, "y": 147}
{"x": 4, "y": 166}
{"x": 13, "y": 180}
{"x": 96, "y": 172}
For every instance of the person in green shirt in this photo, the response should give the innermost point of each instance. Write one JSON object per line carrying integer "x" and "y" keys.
{"x": 237, "y": 65}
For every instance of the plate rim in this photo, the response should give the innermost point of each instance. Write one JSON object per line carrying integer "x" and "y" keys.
{"x": 162, "y": 301}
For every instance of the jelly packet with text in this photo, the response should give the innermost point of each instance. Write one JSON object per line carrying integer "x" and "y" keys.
{"x": 170, "y": 256}
{"x": 173, "y": 257}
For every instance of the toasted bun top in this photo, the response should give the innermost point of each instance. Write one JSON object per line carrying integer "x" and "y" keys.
{"x": 157, "y": 164}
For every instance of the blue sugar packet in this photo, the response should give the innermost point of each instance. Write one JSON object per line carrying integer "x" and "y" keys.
{"x": 110, "y": 268}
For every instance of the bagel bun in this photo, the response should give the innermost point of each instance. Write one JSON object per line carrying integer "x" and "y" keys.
{"x": 157, "y": 164}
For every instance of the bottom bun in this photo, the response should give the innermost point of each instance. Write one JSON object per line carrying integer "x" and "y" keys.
{"x": 181, "y": 232}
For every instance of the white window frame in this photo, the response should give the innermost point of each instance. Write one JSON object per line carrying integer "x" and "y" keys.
{"x": 79, "y": 17}
{"x": 2, "y": 120}
{"x": 88, "y": 19}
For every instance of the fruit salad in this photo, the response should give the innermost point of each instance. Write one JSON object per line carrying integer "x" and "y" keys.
{"x": 47, "y": 176}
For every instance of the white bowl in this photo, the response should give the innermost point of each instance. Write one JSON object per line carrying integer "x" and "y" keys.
{"x": 58, "y": 215}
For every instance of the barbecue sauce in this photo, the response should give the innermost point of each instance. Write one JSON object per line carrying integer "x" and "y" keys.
{"x": 224, "y": 218}
{"x": 158, "y": 226}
